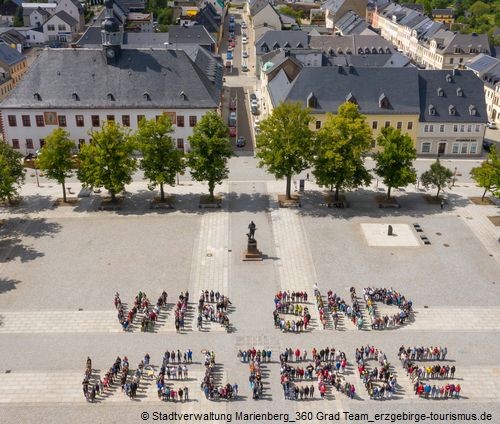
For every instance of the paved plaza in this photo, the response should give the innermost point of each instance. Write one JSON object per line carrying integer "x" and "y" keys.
{"x": 60, "y": 268}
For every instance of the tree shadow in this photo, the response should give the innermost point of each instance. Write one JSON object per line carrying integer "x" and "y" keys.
{"x": 362, "y": 203}
{"x": 7, "y": 285}
{"x": 32, "y": 203}
{"x": 243, "y": 202}
{"x": 13, "y": 233}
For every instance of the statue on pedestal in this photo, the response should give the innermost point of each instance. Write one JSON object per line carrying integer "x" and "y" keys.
{"x": 251, "y": 231}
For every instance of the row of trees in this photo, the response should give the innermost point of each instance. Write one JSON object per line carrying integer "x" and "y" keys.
{"x": 287, "y": 146}
{"x": 108, "y": 161}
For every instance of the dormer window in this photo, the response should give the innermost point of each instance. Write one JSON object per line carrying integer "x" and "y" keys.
{"x": 449, "y": 78}
{"x": 299, "y": 45}
{"x": 472, "y": 110}
{"x": 360, "y": 51}
{"x": 367, "y": 51}
{"x": 383, "y": 101}
{"x": 111, "y": 97}
{"x": 75, "y": 96}
{"x": 264, "y": 48}
{"x": 388, "y": 50}
{"x": 183, "y": 95}
{"x": 146, "y": 96}
{"x": 374, "y": 50}
{"x": 312, "y": 101}
{"x": 452, "y": 110}
{"x": 432, "y": 110}
{"x": 37, "y": 96}
{"x": 460, "y": 92}
{"x": 381, "y": 50}
{"x": 286, "y": 45}
{"x": 276, "y": 46}
{"x": 339, "y": 51}
{"x": 440, "y": 92}
{"x": 348, "y": 51}
{"x": 351, "y": 99}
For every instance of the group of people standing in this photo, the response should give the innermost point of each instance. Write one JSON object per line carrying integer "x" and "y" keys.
{"x": 213, "y": 306}
{"x": 180, "y": 311}
{"x": 142, "y": 305}
{"x": 380, "y": 382}
{"x": 291, "y": 303}
{"x": 388, "y": 296}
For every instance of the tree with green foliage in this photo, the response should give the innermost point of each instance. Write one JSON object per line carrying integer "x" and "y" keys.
{"x": 18, "y": 17}
{"x": 479, "y": 9}
{"x": 161, "y": 161}
{"x": 340, "y": 146}
{"x": 107, "y": 161}
{"x": 285, "y": 142}
{"x": 11, "y": 172}
{"x": 55, "y": 157}
{"x": 487, "y": 175}
{"x": 394, "y": 164}
{"x": 210, "y": 151}
{"x": 437, "y": 176}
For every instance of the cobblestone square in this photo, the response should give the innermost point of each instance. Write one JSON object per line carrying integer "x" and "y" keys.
{"x": 60, "y": 269}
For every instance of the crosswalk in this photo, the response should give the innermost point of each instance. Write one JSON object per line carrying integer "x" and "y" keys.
{"x": 66, "y": 386}
{"x": 295, "y": 264}
{"x": 210, "y": 264}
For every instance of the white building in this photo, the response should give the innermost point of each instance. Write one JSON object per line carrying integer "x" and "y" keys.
{"x": 84, "y": 87}
{"x": 452, "y": 113}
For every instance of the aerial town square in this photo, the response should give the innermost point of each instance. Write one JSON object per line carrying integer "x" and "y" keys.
{"x": 260, "y": 211}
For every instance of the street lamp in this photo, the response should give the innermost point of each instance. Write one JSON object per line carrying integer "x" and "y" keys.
{"x": 454, "y": 176}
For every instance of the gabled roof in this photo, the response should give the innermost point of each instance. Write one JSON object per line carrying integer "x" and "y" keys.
{"x": 164, "y": 74}
{"x": 332, "y": 85}
{"x": 482, "y": 63}
{"x": 208, "y": 17}
{"x": 334, "y": 45}
{"x": 351, "y": 23}
{"x": 194, "y": 34}
{"x": 10, "y": 56}
{"x": 255, "y": 6}
{"x": 333, "y": 5}
{"x": 29, "y": 11}
{"x": 450, "y": 82}
{"x": 277, "y": 39}
{"x": 443, "y": 12}
{"x": 394, "y": 60}
{"x": 278, "y": 87}
{"x": 65, "y": 17}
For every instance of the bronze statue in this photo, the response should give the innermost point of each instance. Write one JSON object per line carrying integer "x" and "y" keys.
{"x": 251, "y": 231}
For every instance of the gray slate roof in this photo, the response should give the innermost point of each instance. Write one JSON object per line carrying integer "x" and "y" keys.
{"x": 255, "y": 6}
{"x": 441, "y": 12}
{"x": 340, "y": 45}
{"x": 467, "y": 81}
{"x": 10, "y": 56}
{"x": 66, "y": 17}
{"x": 351, "y": 23}
{"x": 58, "y": 73}
{"x": 195, "y": 34}
{"x": 394, "y": 60}
{"x": 278, "y": 39}
{"x": 332, "y": 85}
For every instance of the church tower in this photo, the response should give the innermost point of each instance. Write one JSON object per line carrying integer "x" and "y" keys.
{"x": 110, "y": 34}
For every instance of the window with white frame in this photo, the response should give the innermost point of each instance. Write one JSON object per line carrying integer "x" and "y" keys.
{"x": 426, "y": 128}
{"x": 478, "y": 127}
{"x": 441, "y": 128}
{"x": 464, "y": 148}
{"x": 426, "y": 147}
{"x": 431, "y": 128}
{"x": 456, "y": 147}
{"x": 469, "y": 128}
{"x": 462, "y": 128}
{"x": 473, "y": 148}
{"x": 455, "y": 128}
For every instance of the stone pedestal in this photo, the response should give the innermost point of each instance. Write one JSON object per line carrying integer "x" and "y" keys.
{"x": 252, "y": 253}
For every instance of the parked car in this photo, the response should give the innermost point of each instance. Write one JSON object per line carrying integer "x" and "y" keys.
{"x": 241, "y": 141}
{"x": 245, "y": 54}
{"x": 232, "y": 131}
{"x": 243, "y": 25}
{"x": 491, "y": 125}
{"x": 231, "y": 18}
{"x": 229, "y": 64}
{"x": 244, "y": 67}
{"x": 230, "y": 48}
{"x": 254, "y": 103}
{"x": 232, "y": 104}
{"x": 244, "y": 35}
{"x": 229, "y": 55}
{"x": 255, "y": 110}
{"x": 244, "y": 40}
{"x": 232, "y": 119}
{"x": 253, "y": 96}
{"x": 256, "y": 122}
